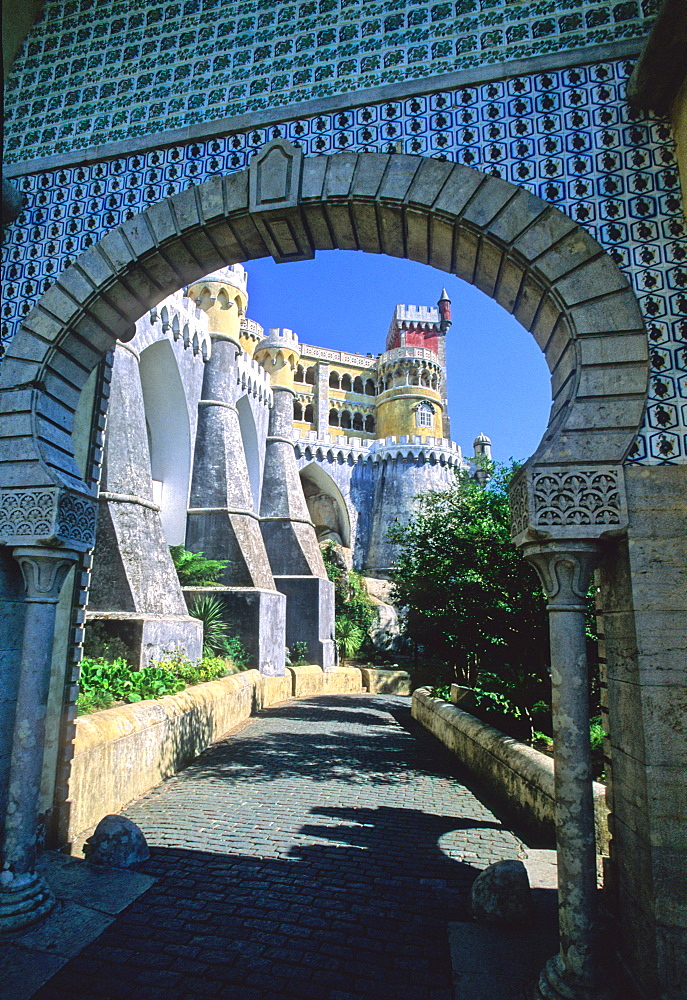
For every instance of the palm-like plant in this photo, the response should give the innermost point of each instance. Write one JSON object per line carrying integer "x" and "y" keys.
{"x": 349, "y": 638}
{"x": 210, "y": 610}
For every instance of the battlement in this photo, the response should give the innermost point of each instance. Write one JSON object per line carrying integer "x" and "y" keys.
{"x": 253, "y": 379}
{"x": 415, "y": 315}
{"x": 232, "y": 274}
{"x": 179, "y": 318}
{"x": 279, "y": 338}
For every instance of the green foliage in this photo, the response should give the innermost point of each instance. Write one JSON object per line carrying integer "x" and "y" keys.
{"x": 103, "y": 683}
{"x": 298, "y": 653}
{"x": 349, "y": 637}
{"x": 354, "y": 611}
{"x": 473, "y": 607}
{"x": 442, "y": 691}
{"x": 193, "y": 569}
{"x": 209, "y": 668}
{"x": 211, "y": 612}
{"x": 120, "y": 682}
{"x": 93, "y": 701}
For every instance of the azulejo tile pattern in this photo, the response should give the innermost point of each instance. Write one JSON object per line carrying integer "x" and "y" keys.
{"x": 95, "y": 71}
{"x": 567, "y": 136}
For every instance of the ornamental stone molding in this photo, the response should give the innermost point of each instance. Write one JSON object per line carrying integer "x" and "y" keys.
{"x": 532, "y": 259}
{"x": 568, "y": 502}
{"x": 50, "y": 517}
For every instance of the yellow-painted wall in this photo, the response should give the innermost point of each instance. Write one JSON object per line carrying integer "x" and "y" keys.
{"x": 396, "y": 416}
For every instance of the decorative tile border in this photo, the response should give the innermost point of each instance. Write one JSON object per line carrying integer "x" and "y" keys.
{"x": 94, "y": 71}
{"x": 566, "y": 135}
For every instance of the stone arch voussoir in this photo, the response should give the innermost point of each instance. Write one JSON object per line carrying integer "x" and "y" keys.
{"x": 534, "y": 260}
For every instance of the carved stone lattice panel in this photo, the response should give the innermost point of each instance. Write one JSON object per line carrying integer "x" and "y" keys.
{"x": 568, "y": 502}
{"x": 47, "y": 516}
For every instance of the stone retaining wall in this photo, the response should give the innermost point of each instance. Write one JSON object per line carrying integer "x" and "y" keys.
{"x": 522, "y": 778}
{"x": 121, "y": 753}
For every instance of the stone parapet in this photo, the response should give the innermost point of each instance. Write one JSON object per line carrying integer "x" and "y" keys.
{"x": 522, "y": 778}
{"x": 378, "y": 681}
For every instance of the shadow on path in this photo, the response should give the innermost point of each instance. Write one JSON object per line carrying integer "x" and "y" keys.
{"x": 320, "y": 853}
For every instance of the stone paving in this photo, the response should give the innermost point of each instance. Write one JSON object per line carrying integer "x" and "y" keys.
{"x": 316, "y": 853}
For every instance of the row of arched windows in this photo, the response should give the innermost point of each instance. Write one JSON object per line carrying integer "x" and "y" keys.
{"x": 343, "y": 418}
{"x": 404, "y": 377}
{"x": 354, "y": 421}
{"x": 345, "y": 382}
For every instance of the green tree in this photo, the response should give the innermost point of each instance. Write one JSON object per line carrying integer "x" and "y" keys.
{"x": 471, "y": 602}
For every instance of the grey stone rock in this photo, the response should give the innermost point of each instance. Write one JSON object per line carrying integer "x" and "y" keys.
{"x": 501, "y": 894}
{"x": 117, "y": 841}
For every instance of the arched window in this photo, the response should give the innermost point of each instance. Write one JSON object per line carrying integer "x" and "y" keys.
{"x": 358, "y": 385}
{"x": 370, "y": 424}
{"x": 357, "y": 421}
{"x": 334, "y": 380}
{"x": 425, "y": 379}
{"x": 333, "y": 418}
{"x": 346, "y": 419}
{"x": 346, "y": 383}
{"x": 297, "y": 410}
{"x": 370, "y": 387}
{"x": 300, "y": 374}
{"x": 310, "y": 375}
{"x": 308, "y": 415}
{"x": 424, "y": 415}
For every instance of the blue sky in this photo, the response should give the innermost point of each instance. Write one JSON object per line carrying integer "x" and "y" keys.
{"x": 498, "y": 381}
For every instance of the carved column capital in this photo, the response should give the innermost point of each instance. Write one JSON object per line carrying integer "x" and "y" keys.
{"x": 565, "y": 570}
{"x": 44, "y": 571}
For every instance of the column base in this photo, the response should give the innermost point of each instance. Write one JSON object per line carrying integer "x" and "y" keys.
{"x": 258, "y": 617}
{"x": 147, "y": 637}
{"x": 24, "y": 900}
{"x": 310, "y": 616}
{"x": 557, "y": 984}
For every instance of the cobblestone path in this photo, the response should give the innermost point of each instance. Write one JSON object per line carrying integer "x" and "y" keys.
{"x": 317, "y": 853}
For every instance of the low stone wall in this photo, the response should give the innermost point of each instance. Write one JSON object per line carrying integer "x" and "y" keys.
{"x": 123, "y": 752}
{"x": 378, "y": 681}
{"x": 522, "y": 778}
{"x": 343, "y": 680}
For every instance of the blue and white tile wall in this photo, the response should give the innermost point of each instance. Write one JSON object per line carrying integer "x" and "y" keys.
{"x": 95, "y": 71}
{"x": 568, "y": 136}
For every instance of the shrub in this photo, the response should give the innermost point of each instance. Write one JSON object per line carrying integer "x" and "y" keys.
{"x": 298, "y": 653}
{"x": 211, "y": 612}
{"x": 349, "y": 638}
{"x": 193, "y": 569}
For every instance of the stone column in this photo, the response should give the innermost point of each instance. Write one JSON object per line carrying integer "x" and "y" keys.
{"x": 24, "y": 895}
{"x": 322, "y": 399}
{"x": 565, "y": 569}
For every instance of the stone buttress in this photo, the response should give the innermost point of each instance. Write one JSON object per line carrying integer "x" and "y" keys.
{"x": 222, "y": 522}
{"x": 287, "y": 528}
{"x": 135, "y": 593}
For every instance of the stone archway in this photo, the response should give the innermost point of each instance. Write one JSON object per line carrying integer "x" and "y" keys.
{"x": 536, "y": 262}
{"x": 326, "y": 504}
